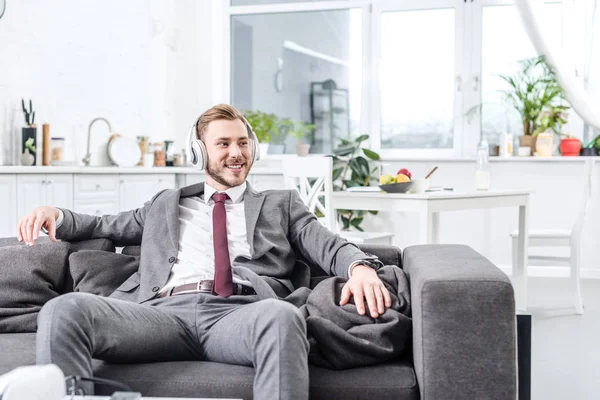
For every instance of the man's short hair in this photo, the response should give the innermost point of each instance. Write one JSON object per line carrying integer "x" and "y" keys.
{"x": 220, "y": 111}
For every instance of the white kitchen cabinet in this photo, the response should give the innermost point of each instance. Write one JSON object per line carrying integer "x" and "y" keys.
{"x": 8, "y": 205}
{"x": 98, "y": 207}
{"x": 135, "y": 190}
{"x": 35, "y": 190}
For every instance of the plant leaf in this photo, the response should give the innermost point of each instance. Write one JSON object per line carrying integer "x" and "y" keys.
{"x": 361, "y": 138}
{"x": 371, "y": 154}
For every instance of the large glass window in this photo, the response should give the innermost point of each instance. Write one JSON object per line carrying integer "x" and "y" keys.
{"x": 417, "y": 78}
{"x": 504, "y": 43}
{"x": 305, "y": 66}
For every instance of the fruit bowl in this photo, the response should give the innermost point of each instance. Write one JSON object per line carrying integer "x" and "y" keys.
{"x": 401, "y": 187}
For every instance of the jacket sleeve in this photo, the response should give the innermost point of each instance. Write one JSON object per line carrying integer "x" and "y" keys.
{"x": 318, "y": 244}
{"x": 124, "y": 228}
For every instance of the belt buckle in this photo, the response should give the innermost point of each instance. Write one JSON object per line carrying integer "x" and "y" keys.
{"x": 205, "y": 286}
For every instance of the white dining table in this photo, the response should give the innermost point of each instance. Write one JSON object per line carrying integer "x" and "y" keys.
{"x": 430, "y": 204}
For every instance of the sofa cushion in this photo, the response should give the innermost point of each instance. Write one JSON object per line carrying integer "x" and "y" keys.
{"x": 17, "y": 349}
{"x": 394, "y": 380}
{"x": 100, "y": 272}
{"x": 29, "y": 277}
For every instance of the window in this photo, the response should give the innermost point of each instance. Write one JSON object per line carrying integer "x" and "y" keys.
{"x": 306, "y": 66}
{"x": 405, "y": 72}
{"x": 504, "y": 43}
{"x": 417, "y": 78}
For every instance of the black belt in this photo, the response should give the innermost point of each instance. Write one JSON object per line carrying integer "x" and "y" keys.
{"x": 205, "y": 286}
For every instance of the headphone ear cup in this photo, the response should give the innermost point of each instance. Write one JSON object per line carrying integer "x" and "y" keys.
{"x": 197, "y": 153}
{"x": 255, "y": 151}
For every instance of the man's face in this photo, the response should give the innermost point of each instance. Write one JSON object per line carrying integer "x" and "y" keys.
{"x": 229, "y": 156}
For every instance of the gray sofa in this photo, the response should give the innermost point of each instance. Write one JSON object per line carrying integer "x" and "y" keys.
{"x": 463, "y": 339}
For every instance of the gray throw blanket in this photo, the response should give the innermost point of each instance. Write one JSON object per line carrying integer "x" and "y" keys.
{"x": 339, "y": 337}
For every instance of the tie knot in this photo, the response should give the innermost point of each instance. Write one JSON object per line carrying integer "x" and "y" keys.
{"x": 219, "y": 197}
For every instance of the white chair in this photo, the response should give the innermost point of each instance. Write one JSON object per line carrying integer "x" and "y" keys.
{"x": 312, "y": 178}
{"x": 560, "y": 238}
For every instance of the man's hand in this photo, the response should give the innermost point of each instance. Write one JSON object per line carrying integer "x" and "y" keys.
{"x": 29, "y": 226}
{"x": 365, "y": 284}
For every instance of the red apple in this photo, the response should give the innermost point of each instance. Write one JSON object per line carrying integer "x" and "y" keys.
{"x": 404, "y": 171}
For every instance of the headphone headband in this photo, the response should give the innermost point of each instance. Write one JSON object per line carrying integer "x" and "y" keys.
{"x": 196, "y": 149}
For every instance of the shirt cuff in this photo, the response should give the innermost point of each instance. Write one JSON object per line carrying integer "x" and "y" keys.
{"x": 59, "y": 220}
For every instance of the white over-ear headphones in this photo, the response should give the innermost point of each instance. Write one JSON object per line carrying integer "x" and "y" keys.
{"x": 196, "y": 150}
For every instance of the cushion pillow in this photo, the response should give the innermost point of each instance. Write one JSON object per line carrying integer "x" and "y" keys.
{"x": 100, "y": 272}
{"x": 29, "y": 277}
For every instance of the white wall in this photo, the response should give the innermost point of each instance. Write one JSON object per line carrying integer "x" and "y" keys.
{"x": 142, "y": 64}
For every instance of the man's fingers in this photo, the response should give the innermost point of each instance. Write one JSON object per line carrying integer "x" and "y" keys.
{"x": 37, "y": 226}
{"x": 359, "y": 301}
{"x": 379, "y": 298}
{"x": 345, "y": 297}
{"x": 51, "y": 228}
{"x": 371, "y": 301}
{"x": 28, "y": 228}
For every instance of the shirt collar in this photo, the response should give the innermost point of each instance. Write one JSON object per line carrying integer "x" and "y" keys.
{"x": 236, "y": 193}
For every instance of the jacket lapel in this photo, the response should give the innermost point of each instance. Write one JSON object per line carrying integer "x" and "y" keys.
{"x": 253, "y": 202}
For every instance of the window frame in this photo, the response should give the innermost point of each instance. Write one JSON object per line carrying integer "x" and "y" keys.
{"x": 468, "y": 29}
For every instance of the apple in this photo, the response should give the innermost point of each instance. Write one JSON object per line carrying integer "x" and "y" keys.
{"x": 385, "y": 179}
{"x": 404, "y": 171}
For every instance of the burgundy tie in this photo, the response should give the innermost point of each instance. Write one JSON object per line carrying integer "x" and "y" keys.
{"x": 223, "y": 285}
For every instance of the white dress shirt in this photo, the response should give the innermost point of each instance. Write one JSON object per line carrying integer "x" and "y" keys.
{"x": 196, "y": 256}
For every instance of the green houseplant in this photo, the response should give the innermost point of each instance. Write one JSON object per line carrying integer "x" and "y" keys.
{"x": 268, "y": 127}
{"x": 536, "y": 94}
{"x": 301, "y": 131}
{"x": 350, "y": 169}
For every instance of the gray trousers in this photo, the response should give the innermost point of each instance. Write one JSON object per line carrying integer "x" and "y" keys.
{"x": 269, "y": 335}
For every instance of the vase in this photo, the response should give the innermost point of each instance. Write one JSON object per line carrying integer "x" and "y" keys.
{"x": 528, "y": 141}
{"x": 264, "y": 149}
{"x": 27, "y": 133}
{"x": 27, "y": 159}
{"x": 302, "y": 149}
{"x": 570, "y": 147}
{"x": 589, "y": 151}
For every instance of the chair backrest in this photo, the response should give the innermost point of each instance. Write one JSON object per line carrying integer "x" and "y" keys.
{"x": 311, "y": 177}
{"x": 585, "y": 200}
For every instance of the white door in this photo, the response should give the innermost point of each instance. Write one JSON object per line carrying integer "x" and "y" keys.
{"x": 31, "y": 193}
{"x": 59, "y": 191}
{"x": 135, "y": 190}
{"x": 8, "y": 205}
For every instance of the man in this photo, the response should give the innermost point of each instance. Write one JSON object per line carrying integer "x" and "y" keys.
{"x": 195, "y": 298}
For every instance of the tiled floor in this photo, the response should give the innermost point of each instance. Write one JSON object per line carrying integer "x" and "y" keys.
{"x": 565, "y": 349}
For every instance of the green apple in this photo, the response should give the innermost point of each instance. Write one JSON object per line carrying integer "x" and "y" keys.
{"x": 387, "y": 178}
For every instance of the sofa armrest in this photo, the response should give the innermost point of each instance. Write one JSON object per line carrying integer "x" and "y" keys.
{"x": 463, "y": 310}
{"x": 388, "y": 255}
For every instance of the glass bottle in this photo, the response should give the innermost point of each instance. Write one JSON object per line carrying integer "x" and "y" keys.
{"x": 482, "y": 172}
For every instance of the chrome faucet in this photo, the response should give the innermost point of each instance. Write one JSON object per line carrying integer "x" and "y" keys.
{"x": 86, "y": 159}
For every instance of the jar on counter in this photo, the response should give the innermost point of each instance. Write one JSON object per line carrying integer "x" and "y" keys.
{"x": 159, "y": 155}
{"x": 57, "y": 149}
{"x": 143, "y": 143}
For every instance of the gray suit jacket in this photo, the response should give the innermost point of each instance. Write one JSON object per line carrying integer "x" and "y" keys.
{"x": 282, "y": 233}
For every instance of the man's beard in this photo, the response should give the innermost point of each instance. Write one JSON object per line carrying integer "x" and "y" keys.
{"x": 213, "y": 172}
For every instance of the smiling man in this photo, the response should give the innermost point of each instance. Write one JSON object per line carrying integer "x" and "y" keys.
{"x": 216, "y": 259}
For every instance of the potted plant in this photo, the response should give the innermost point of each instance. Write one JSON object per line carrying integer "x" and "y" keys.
{"x": 302, "y": 131}
{"x": 592, "y": 148}
{"x": 532, "y": 91}
{"x": 264, "y": 126}
{"x": 347, "y": 159}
